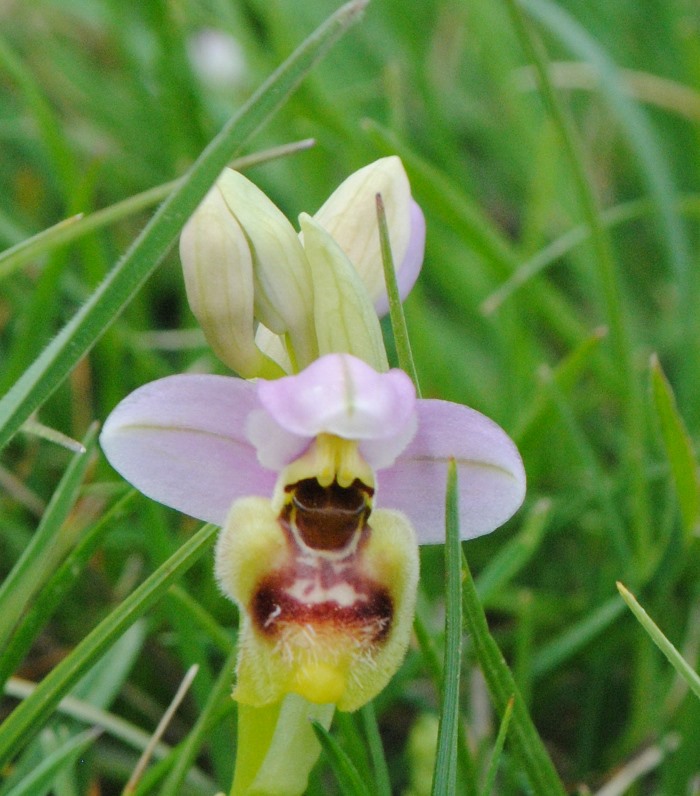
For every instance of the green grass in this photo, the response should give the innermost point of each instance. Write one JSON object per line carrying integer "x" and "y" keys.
{"x": 559, "y": 296}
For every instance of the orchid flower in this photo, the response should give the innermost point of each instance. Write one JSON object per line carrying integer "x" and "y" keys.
{"x": 318, "y": 480}
{"x": 326, "y": 472}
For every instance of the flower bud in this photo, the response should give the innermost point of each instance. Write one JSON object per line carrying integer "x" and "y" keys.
{"x": 243, "y": 263}
{"x": 349, "y": 215}
{"x": 218, "y": 272}
{"x": 344, "y": 318}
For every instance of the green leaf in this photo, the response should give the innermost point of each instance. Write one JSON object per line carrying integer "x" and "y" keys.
{"x": 651, "y": 155}
{"x": 49, "y": 598}
{"x": 71, "y": 229}
{"x": 497, "y": 750}
{"x": 604, "y": 261}
{"x": 675, "y": 658}
{"x": 396, "y": 314}
{"x": 351, "y": 783}
{"x": 48, "y": 546}
{"x": 516, "y": 554}
{"x": 79, "y": 335}
{"x": 575, "y": 637}
{"x": 101, "y": 684}
{"x": 26, "y": 719}
{"x": 526, "y": 742}
{"x": 188, "y": 751}
{"x": 445, "y": 775}
{"x": 679, "y": 449}
{"x": 40, "y": 779}
{"x": 376, "y": 750}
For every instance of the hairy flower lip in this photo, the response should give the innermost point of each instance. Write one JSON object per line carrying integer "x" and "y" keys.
{"x": 183, "y": 441}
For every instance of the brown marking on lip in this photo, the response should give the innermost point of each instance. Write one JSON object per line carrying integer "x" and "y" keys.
{"x": 273, "y": 609}
{"x": 327, "y": 518}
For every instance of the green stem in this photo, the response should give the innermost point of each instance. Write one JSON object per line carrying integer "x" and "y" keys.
{"x": 277, "y": 747}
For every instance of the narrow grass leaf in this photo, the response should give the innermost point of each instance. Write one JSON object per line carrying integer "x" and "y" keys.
{"x": 199, "y": 617}
{"x": 679, "y": 449}
{"x": 48, "y": 545}
{"x": 352, "y": 739}
{"x": 26, "y": 720}
{"x": 76, "y": 338}
{"x": 582, "y": 448}
{"x": 463, "y": 216}
{"x": 53, "y": 591}
{"x": 576, "y": 637}
{"x": 445, "y": 775}
{"x": 516, "y": 553}
{"x": 76, "y": 227}
{"x": 376, "y": 750}
{"x": 615, "y": 309}
{"x": 560, "y": 247}
{"x": 633, "y": 121}
{"x": 565, "y": 374}
{"x": 495, "y": 759}
{"x": 100, "y": 685}
{"x": 39, "y": 781}
{"x": 349, "y": 780}
{"x": 188, "y": 751}
{"x": 675, "y": 658}
{"x": 527, "y": 744}
{"x": 115, "y": 726}
{"x": 396, "y": 314}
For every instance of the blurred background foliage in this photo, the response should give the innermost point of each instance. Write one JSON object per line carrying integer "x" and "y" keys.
{"x": 513, "y": 315}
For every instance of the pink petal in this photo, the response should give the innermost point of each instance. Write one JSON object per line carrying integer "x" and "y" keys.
{"x": 181, "y": 441}
{"x": 408, "y": 270}
{"x": 340, "y": 394}
{"x": 490, "y": 472}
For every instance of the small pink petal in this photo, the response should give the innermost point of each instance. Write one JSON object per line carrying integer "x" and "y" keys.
{"x": 340, "y": 394}
{"x": 276, "y": 447}
{"x": 490, "y": 473}
{"x": 408, "y": 270}
{"x": 181, "y": 441}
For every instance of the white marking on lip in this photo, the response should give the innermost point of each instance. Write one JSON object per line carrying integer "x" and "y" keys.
{"x": 310, "y": 591}
{"x": 276, "y": 611}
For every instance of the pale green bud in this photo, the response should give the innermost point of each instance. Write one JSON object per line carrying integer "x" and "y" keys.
{"x": 218, "y": 271}
{"x": 344, "y": 316}
{"x": 350, "y": 216}
{"x": 243, "y": 264}
{"x": 283, "y": 295}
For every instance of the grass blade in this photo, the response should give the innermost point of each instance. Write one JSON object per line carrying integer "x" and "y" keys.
{"x": 675, "y": 658}
{"x": 351, "y": 783}
{"x": 497, "y": 750}
{"x": 26, "y": 720}
{"x": 47, "y": 547}
{"x": 50, "y": 596}
{"x": 445, "y": 776}
{"x": 188, "y": 752}
{"x": 634, "y": 123}
{"x": 516, "y": 553}
{"x": 575, "y": 637}
{"x": 376, "y": 750}
{"x": 396, "y": 314}
{"x": 679, "y": 449}
{"x": 41, "y": 778}
{"x": 77, "y": 337}
{"x": 75, "y": 227}
{"x": 527, "y": 744}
